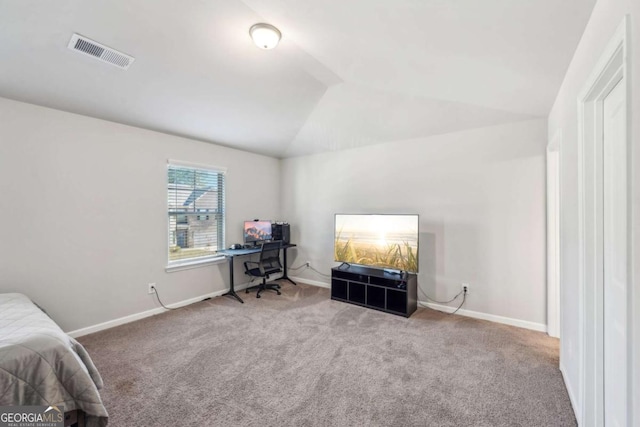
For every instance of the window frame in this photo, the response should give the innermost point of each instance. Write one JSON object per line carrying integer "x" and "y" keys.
{"x": 202, "y": 261}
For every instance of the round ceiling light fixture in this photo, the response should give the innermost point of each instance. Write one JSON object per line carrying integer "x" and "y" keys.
{"x": 265, "y": 36}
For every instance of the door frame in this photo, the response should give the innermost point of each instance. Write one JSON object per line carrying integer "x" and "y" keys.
{"x": 611, "y": 69}
{"x": 554, "y": 262}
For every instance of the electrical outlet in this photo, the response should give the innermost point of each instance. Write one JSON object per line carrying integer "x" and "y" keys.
{"x": 465, "y": 288}
{"x": 152, "y": 288}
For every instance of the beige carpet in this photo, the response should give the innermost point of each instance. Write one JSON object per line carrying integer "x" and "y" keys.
{"x": 300, "y": 359}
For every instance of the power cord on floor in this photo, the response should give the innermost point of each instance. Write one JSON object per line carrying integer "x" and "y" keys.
{"x": 443, "y": 302}
{"x": 464, "y": 298}
{"x": 319, "y": 273}
{"x": 307, "y": 265}
{"x": 155, "y": 291}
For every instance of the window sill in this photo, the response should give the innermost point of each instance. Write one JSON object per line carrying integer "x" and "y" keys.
{"x": 188, "y": 265}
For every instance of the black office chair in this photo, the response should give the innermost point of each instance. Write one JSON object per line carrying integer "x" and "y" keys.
{"x": 268, "y": 264}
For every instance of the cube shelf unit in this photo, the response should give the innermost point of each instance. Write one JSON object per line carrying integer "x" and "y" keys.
{"x": 375, "y": 288}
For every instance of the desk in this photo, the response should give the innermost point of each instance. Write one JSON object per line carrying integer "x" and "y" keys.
{"x": 230, "y": 254}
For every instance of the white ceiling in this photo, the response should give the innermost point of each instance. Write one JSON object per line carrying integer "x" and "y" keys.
{"x": 346, "y": 74}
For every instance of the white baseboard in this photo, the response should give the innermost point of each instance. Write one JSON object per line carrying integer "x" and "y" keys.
{"x": 311, "y": 282}
{"x": 137, "y": 316}
{"x": 540, "y": 327}
{"x": 572, "y": 395}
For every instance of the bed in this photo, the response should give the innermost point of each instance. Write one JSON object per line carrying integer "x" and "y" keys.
{"x": 41, "y": 365}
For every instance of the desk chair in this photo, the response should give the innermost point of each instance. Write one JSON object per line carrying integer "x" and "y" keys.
{"x": 268, "y": 264}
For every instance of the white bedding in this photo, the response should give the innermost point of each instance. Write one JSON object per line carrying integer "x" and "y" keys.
{"x": 41, "y": 365}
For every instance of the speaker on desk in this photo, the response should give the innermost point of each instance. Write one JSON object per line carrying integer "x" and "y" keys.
{"x": 281, "y": 231}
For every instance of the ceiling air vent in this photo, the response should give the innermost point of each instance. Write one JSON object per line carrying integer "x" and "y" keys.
{"x": 99, "y": 51}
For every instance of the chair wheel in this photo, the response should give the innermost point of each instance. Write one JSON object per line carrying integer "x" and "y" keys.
{"x": 279, "y": 293}
{"x": 258, "y": 296}
{"x": 246, "y": 291}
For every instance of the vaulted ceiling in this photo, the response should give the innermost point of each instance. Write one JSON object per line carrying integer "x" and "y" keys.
{"x": 346, "y": 73}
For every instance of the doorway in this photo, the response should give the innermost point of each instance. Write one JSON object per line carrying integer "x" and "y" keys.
{"x": 604, "y": 239}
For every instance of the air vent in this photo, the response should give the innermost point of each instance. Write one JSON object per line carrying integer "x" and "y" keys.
{"x": 100, "y": 52}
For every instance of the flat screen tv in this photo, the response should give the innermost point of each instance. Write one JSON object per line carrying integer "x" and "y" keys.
{"x": 257, "y": 231}
{"x": 383, "y": 241}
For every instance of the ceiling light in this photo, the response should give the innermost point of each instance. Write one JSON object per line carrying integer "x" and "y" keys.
{"x": 265, "y": 36}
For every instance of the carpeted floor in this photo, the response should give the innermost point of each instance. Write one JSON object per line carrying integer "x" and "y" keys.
{"x": 300, "y": 359}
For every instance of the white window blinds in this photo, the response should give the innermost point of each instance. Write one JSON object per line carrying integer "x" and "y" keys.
{"x": 196, "y": 212}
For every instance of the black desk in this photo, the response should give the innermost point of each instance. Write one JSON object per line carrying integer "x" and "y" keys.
{"x": 230, "y": 254}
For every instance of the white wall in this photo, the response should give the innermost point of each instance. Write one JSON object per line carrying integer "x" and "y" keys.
{"x": 606, "y": 17}
{"x": 84, "y": 223}
{"x": 480, "y": 195}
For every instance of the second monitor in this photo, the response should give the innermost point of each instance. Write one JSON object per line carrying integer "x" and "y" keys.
{"x": 257, "y": 231}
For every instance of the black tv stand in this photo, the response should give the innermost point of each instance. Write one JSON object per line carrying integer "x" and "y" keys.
{"x": 376, "y": 289}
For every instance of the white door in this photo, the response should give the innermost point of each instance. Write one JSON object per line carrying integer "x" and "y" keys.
{"x": 615, "y": 258}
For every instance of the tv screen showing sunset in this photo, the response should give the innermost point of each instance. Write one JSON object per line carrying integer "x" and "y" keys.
{"x": 384, "y": 241}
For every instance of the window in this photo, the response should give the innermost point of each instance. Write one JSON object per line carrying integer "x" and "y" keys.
{"x": 195, "y": 197}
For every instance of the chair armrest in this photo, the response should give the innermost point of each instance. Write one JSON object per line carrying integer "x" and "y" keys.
{"x": 246, "y": 267}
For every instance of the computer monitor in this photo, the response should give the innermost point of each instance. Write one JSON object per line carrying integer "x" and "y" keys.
{"x": 257, "y": 231}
